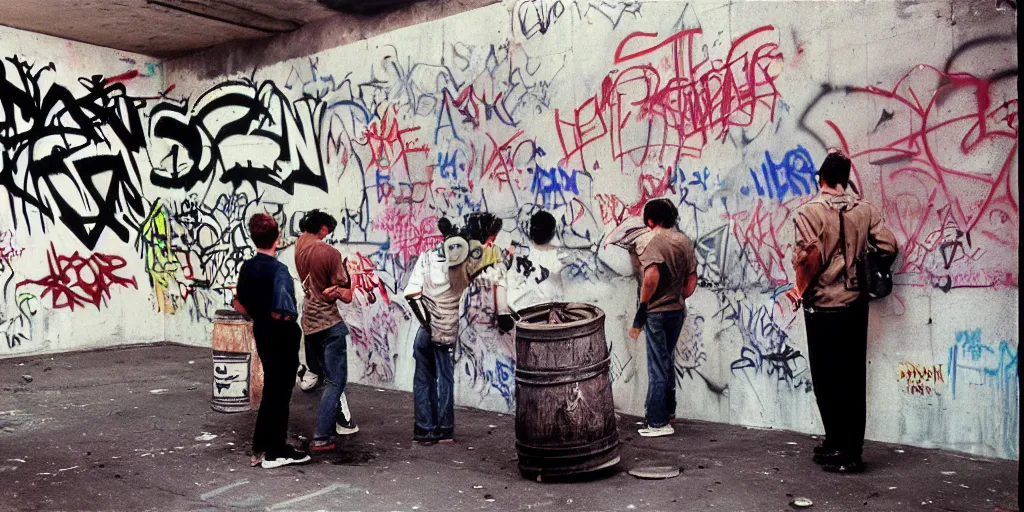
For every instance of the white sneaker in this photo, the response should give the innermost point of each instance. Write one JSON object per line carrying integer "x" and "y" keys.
{"x": 284, "y": 459}
{"x": 650, "y": 431}
{"x": 309, "y": 381}
{"x": 343, "y": 424}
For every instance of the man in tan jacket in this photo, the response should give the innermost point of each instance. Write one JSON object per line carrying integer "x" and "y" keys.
{"x": 832, "y": 232}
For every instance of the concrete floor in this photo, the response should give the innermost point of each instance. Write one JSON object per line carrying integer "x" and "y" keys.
{"x": 87, "y": 434}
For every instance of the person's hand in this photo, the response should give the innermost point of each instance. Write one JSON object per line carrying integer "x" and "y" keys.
{"x": 793, "y": 295}
{"x": 634, "y": 333}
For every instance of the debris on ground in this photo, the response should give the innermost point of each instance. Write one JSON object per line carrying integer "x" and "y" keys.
{"x": 157, "y": 391}
{"x": 655, "y": 472}
{"x": 27, "y": 378}
{"x": 206, "y": 436}
{"x": 801, "y": 503}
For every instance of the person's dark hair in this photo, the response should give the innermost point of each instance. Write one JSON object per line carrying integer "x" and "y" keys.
{"x": 263, "y": 230}
{"x": 661, "y": 212}
{"x": 482, "y": 225}
{"x": 542, "y": 227}
{"x": 835, "y": 170}
{"x": 313, "y": 220}
{"x": 446, "y": 228}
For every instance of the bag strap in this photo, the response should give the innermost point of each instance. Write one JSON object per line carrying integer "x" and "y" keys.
{"x": 841, "y": 246}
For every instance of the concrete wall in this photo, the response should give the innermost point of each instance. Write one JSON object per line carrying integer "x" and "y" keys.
{"x": 588, "y": 110}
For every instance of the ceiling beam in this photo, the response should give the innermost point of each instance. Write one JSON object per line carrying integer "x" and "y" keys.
{"x": 230, "y": 14}
{"x": 365, "y": 7}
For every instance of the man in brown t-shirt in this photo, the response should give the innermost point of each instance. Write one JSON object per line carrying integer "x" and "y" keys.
{"x": 835, "y": 308}
{"x": 669, "y": 267}
{"x": 325, "y": 280}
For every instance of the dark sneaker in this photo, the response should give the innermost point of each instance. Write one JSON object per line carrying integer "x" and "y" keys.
{"x": 823, "y": 449}
{"x": 322, "y": 445}
{"x": 343, "y": 422}
{"x": 845, "y": 467}
{"x": 828, "y": 457}
{"x": 288, "y": 456}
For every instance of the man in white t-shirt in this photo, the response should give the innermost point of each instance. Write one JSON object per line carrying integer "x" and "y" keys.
{"x": 435, "y": 294}
{"x": 535, "y": 276}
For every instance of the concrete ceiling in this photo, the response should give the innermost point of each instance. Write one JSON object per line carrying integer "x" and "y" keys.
{"x": 170, "y": 28}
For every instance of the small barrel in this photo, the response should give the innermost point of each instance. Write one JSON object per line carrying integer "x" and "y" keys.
{"x": 237, "y": 372}
{"x": 565, "y": 417}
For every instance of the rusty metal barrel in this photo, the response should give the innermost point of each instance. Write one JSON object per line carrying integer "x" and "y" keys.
{"x": 565, "y": 417}
{"x": 237, "y": 371}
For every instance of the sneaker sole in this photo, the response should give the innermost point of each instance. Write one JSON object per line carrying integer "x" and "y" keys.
{"x": 276, "y": 463}
{"x": 346, "y": 431}
{"x": 655, "y": 434}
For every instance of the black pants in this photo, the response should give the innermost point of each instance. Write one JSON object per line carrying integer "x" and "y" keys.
{"x": 837, "y": 352}
{"x": 278, "y": 347}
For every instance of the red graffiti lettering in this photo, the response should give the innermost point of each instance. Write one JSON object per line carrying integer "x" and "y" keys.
{"x": 650, "y": 118}
{"x": 77, "y": 281}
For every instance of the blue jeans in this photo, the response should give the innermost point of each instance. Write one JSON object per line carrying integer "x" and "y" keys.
{"x": 330, "y": 346}
{"x": 433, "y": 389}
{"x": 662, "y": 333}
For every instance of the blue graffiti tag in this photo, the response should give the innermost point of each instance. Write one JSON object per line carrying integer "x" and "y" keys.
{"x": 502, "y": 378}
{"x": 981, "y": 364}
{"x": 550, "y": 185}
{"x": 793, "y": 175}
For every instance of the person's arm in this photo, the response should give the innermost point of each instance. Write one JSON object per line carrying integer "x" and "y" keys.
{"x": 414, "y": 289}
{"x": 881, "y": 237}
{"x": 650, "y": 255}
{"x": 647, "y": 288}
{"x": 690, "y": 286}
{"x": 807, "y": 257}
{"x": 339, "y": 293}
{"x": 237, "y": 304}
{"x": 341, "y": 282}
{"x": 283, "y": 305}
{"x": 650, "y": 283}
{"x": 690, "y": 283}
{"x": 506, "y": 315}
{"x": 806, "y": 269}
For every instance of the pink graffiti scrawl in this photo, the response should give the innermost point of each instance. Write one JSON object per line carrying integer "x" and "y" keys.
{"x": 77, "y": 281}
{"x": 948, "y": 174}
{"x": 650, "y": 112}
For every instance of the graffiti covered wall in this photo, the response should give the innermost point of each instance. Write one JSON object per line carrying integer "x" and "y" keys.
{"x": 76, "y": 192}
{"x": 587, "y": 110}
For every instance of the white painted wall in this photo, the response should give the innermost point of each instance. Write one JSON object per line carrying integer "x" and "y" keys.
{"x": 623, "y": 105}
